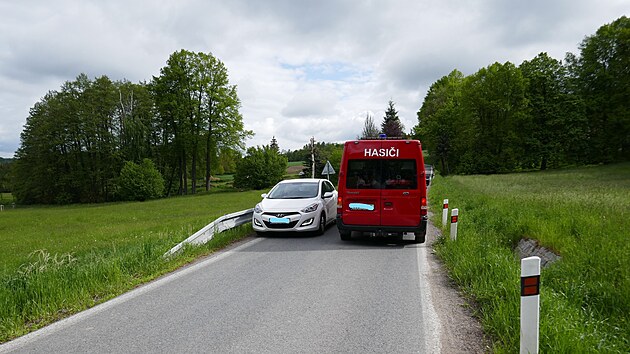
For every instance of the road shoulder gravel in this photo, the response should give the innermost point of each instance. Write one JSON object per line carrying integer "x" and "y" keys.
{"x": 461, "y": 332}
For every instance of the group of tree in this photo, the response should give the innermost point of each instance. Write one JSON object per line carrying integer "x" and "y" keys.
{"x": 260, "y": 168}
{"x": 320, "y": 153}
{"x": 82, "y": 142}
{"x": 5, "y": 170}
{"x": 391, "y": 125}
{"x": 545, "y": 113}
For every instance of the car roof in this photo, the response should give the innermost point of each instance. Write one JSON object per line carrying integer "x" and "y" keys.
{"x": 302, "y": 180}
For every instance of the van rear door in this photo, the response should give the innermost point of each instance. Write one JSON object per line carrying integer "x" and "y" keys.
{"x": 362, "y": 204}
{"x": 403, "y": 183}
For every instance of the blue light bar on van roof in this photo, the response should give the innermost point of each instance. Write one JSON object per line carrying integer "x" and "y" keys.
{"x": 382, "y": 136}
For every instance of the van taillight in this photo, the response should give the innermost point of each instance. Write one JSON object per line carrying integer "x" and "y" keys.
{"x": 423, "y": 206}
{"x": 339, "y": 203}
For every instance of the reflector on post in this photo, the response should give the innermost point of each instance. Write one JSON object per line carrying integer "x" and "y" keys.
{"x": 454, "y": 215}
{"x": 530, "y": 285}
{"x": 444, "y": 212}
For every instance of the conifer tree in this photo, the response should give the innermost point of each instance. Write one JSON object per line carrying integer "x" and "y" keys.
{"x": 391, "y": 126}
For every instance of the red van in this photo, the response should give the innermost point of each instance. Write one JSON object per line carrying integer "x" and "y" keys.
{"x": 382, "y": 189}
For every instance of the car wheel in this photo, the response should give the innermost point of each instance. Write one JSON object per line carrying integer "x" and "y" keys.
{"x": 322, "y": 224}
{"x": 345, "y": 235}
{"x": 420, "y": 237}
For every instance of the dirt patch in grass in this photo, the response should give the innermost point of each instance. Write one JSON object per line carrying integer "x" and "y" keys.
{"x": 294, "y": 170}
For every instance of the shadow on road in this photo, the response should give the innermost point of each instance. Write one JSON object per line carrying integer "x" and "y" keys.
{"x": 299, "y": 242}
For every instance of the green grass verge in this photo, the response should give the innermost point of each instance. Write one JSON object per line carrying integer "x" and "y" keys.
{"x": 583, "y": 215}
{"x": 60, "y": 260}
{"x": 295, "y": 163}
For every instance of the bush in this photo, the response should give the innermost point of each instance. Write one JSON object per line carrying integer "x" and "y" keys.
{"x": 262, "y": 167}
{"x": 140, "y": 181}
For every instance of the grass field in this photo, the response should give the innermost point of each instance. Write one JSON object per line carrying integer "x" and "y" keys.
{"x": 583, "y": 215}
{"x": 59, "y": 260}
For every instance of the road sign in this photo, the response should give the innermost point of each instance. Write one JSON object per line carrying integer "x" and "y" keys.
{"x": 328, "y": 169}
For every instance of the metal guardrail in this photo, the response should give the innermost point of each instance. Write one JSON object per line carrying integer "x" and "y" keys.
{"x": 221, "y": 224}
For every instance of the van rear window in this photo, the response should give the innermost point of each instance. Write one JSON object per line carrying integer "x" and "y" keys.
{"x": 382, "y": 174}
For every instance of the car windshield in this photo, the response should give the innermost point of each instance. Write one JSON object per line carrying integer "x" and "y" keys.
{"x": 299, "y": 190}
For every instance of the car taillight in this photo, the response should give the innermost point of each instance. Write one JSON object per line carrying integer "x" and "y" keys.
{"x": 423, "y": 206}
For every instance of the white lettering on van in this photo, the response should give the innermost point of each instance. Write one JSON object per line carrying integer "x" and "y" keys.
{"x": 391, "y": 152}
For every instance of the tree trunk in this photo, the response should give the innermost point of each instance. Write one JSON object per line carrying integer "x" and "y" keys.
{"x": 208, "y": 159}
{"x": 193, "y": 169}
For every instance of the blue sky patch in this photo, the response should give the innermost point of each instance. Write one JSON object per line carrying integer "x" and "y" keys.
{"x": 336, "y": 71}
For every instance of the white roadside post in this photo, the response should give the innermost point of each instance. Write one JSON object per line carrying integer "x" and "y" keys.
{"x": 1, "y": 207}
{"x": 454, "y": 217}
{"x": 444, "y": 212}
{"x": 530, "y": 304}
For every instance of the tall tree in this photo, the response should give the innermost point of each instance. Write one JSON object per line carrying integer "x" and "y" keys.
{"x": 603, "y": 79}
{"x": 439, "y": 124}
{"x": 494, "y": 101}
{"x": 172, "y": 93}
{"x": 199, "y": 108}
{"x": 557, "y": 124}
{"x": 274, "y": 144}
{"x": 391, "y": 126}
{"x": 224, "y": 123}
{"x": 136, "y": 128}
{"x": 369, "y": 128}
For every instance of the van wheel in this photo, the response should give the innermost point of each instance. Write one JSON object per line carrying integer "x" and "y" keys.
{"x": 322, "y": 224}
{"x": 345, "y": 235}
{"x": 420, "y": 237}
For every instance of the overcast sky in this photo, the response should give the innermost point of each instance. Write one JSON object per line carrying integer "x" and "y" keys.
{"x": 303, "y": 68}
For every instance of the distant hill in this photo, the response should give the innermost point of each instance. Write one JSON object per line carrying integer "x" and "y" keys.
{"x": 3, "y": 160}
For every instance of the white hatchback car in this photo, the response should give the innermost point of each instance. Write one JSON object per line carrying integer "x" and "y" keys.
{"x": 305, "y": 204}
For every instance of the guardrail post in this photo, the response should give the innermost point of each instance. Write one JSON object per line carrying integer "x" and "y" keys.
{"x": 530, "y": 304}
{"x": 444, "y": 212}
{"x": 454, "y": 217}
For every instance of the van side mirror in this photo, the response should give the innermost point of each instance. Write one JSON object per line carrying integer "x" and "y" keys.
{"x": 327, "y": 195}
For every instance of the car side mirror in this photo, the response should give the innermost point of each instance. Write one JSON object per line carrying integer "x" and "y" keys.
{"x": 264, "y": 195}
{"x": 327, "y": 195}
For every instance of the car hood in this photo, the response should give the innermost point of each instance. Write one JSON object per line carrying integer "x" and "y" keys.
{"x": 286, "y": 204}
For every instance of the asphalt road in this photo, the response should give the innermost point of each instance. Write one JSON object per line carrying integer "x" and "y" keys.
{"x": 266, "y": 295}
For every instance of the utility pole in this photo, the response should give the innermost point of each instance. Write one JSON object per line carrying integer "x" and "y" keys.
{"x": 312, "y": 157}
